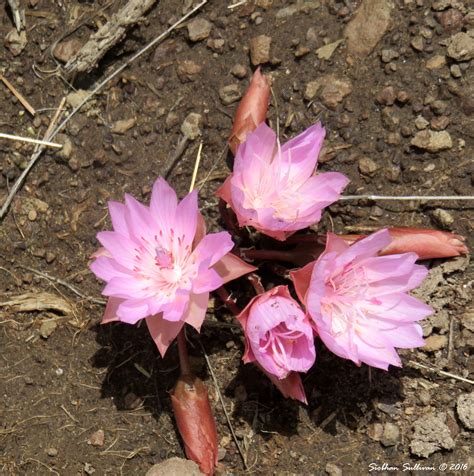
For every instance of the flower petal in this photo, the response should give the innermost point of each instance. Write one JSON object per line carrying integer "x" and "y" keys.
{"x": 163, "y": 332}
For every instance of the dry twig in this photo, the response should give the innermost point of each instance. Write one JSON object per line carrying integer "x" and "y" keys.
{"x": 17, "y": 94}
{"x": 18, "y": 16}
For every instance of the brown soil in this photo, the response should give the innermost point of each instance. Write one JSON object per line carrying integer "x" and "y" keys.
{"x": 58, "y": 391}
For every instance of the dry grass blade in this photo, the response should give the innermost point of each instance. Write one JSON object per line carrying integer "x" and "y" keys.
{"x": 17, "y": 94}
{"x": 38, "y": 302}
{"x": 30, "y": 140}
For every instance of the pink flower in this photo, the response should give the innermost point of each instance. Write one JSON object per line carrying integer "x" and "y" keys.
{"x": 273, "y": 188}
{"x": 358, "y": 301}
{"x": 278, "y": 335}
{"x": 159, "y": 264}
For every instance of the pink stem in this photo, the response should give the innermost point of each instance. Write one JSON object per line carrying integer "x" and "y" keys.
{"x": 256, "y": 282}
{"x": 184, "y": 365}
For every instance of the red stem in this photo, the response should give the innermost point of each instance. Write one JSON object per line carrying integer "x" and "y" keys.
{"x": 312, "y": 238}
{"x": 184, "y": 365}
{"x": 228, "y": 301}
{"x": 269, "y": 255}
{"x": 256, "y": 283}
{"x": 229, "y": 220}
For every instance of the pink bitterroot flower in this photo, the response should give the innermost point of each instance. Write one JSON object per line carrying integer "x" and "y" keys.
{"x": 159, "y": 264}
{"x": 358, "y": 301}
{"x": 278, "y": 335}
{"x": 274, "y": 188}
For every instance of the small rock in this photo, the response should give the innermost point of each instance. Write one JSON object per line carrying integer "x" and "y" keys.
{"x": 97, "y": 438}
{"x": 15, "y": 42}
{"x": 239, "y": 71}
{"x": 333, "y": 470}
{"x": 326, "y": 51}
{"x": 123, "y": 125}
{"x": 66, "y": 151}
{"x": 467, "y": 319}
{"x": 421, "y": 123}
{"x": 455, "y": 71}
{"x": 190, "y": 126}
{"x": 431, "y": 434}
{"x": 465, "y": 409}
{"x": 391, "y": 434}
{"x": 387, "y": 96}
{"x": 461, "y": 47}
{"x": 199, "y": 29}
{"x": 76, "y": 97}
{"x": 435, "y": 342}
{"x": 230, "y": 94}
{"x": 375, "y": 431}
{"x": 32, "y": 215}
{"x": 188, "y": 70}
{"x": 418, "y": 43}
{"x": 301, "y": 51}
{"x": 432, "y": 141}
{"x": 89, "y": 469}
{"x": 439, "y": 107}
{"x": 216, "y": 44}
{"x": 65, "y": 50}
{"x": 443, "y": 218}
{"x": 260, "y": 49}
{"x": 436, "y": 62}
{"x": 451, "y": 20}
{"x": 388, "y": 55}
{"x": 367, "y": 166}
{"x": 52, "y": 452}
{"x": 47, "y": 328}
{"x": 50, "y": 257}
{"x": 368, "y": 26}
{"x": 175, "y": 467}
{"x": 172, "y": 119}
{"x": 221, "y": 454}
{"x": 440, "y": 123}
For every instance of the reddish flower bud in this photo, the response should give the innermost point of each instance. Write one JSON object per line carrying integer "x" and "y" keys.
{"x": 427, "y": 244}
{"x": 252, "y": 110}
{"x": 195, "y": 422}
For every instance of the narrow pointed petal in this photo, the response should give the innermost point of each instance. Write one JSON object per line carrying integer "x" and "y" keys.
{"x": 231, "y": 267}
{"x": 163, "y": 332}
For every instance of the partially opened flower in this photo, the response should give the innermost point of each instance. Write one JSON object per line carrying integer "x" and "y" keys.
{"x": 159, "y": 264}
{"x": 358, "y": 301}
{"x": 274, "y": 188}
{"x": 278, "y": 335}
{"x": 426, "y": 243}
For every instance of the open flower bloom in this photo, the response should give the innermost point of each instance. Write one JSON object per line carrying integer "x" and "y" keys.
{"x": 358, "y": 301}
{"x": 159, "y": 264}
{"x": 273, "y": 188}
{"x": 426, "y": 243}
{"x": 278, "y": 335}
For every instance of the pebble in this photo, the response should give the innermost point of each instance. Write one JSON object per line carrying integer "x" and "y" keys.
{"x": 368, "y": 26}
{"x": 16, "y": 42}
{"x": 387, "y": 96}
{"x": 230, "y": 94}
{"x": 32, "y": 215}
{"x": 89, "y": 469}
{"x": 199, "y": 29}
{"x": 239, "y": 71}
{"x": 451, "y": 20}
{"x": 67, "y": 149}
{"x": 188, "y": 70}
{"x": 431, "y": 434}
{"x": 97, "y": 438}
{"x": 443, "y": 218}
{"x": 465, "y": 409}
{"x": 391, "y": 434}
{"x": 326, "y": 51}
{"x": 367, "y": 166}
{"x": 421, "y": 123}
{"x": 440, "y": 123}
{"x": 455, "y": 71}
{"x": 172, "y": 119}
{"x": 435, "y": 342}
{"x": 418, "y": 43}
{"x": 461, "y": 47}
{"x": 439, "y": 107}
{"x": 388, "y": 55}
{"x": 52, "y": 452}
{"x": 175, "y": 467}
{"x": 123, "y": 125}
{"x": 65, "y": 50}
{"x": 436, "y": 62}
{"x": 221, "y": 454}
{"x": 330, "y": 89}
{"x": 333, "y": 470}
{"x": 260, "y": 49}
{"x": 50, "y": 257}
{"x": 375, "y": 431}
{"x": 190, "y": 126}
{"x": 432, "y": 141}
{"x": 216, "y": 44}
{"x": 47, "y": 328}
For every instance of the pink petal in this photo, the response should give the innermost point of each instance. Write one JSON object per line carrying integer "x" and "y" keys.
{"x": 335, "y": 244}
{"x": 290, "y": 387}
{"x": 196, "y": 311}
{"x": 107, "y": 268}
{"x": 163, "y": 332}
{"x": 120, "y": 247}
{"x": 163, "y": 204}
{"x": 139, "y": 219}
{"x": 224, "y": 191}
{"x": 301, "y": 279}
{"x": 132, "y": 310}
{"x": 231, "y": 267}
{"x": 213, "y": 247}
{"x": 398, "y": 308}
{"x": 207, "y": 280}
{"x": 174, "y": 310}
{"x": 406, "y": 337}
{"x": 384, "y": 267}
{"x": 126, "y": 287}
{"x": 186, "y": 218}
{"x": 110, "y": 314}
{"x": 117, "y": 213}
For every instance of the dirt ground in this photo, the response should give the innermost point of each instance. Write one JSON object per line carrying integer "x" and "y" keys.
{"x": 396, "y": 98}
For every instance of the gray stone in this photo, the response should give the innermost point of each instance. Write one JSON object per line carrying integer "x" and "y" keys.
{"x": 421, "y": 123}
{"x": 432, "y": 141}
{"x": 368, "y": 26}
{"x": 391, "y": 434}
{"x": 190, "y": 126}
{"x": 199, "y": 29}
{"x": 465, "y": 409}
{"x": 431, "y": 434}
{"x": 230, "y": 94}
{"x": 175, "y": 467}
{"x": 461, "y": 47}
{"x": 260, "y": 49}
{"x": 367, "y": 166}
{"x": 333, "y": 470}
{"x": 443, "y": 218}
{"x": 65, "y": 50}
{"x": 435, "y": 342}
{"x": 47, "y": 328}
